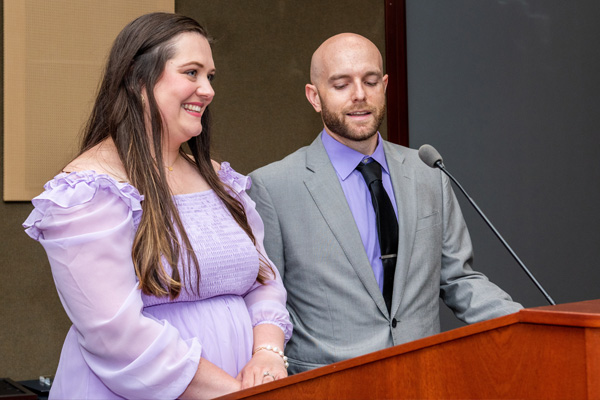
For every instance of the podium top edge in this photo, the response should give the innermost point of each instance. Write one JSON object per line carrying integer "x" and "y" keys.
{"x": 582, "y": 314}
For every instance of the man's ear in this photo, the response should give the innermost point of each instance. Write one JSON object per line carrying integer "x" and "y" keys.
{"x": 385, "y": 82}
{"x": 313, "y": 96}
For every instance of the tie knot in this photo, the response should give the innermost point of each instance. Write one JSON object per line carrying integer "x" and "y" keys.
{"x": 371, "y": 171}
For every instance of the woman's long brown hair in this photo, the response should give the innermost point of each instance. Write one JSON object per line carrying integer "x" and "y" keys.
{"x": 137, "y": 60}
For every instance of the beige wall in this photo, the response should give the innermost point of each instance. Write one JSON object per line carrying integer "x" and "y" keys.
{"x": 56, "y": 50}
{"x": 262, "y": 52}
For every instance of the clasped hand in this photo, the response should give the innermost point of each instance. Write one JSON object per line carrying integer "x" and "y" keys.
{"x": 263, "y": 367}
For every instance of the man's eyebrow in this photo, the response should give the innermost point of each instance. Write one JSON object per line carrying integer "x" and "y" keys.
{"x": 339, "y": 76}
{"x": 374, "y": 73}
{"x": 345, "y": 76}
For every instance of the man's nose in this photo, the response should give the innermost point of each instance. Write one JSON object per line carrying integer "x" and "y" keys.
{"x": 359, "y": 93}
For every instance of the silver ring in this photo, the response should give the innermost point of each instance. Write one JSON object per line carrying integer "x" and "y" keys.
{"x": 267, "y": 373}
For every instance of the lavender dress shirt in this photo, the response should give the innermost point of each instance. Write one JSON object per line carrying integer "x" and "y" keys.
{"x": 344, "y": 161}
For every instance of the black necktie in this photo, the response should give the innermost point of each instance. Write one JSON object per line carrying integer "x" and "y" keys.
{"x": 387, "y": 225}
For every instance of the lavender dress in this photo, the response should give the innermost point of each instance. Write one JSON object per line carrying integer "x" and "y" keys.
{"x": 124, "y": 344}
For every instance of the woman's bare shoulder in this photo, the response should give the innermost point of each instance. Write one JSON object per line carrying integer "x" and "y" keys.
{"x": 102, "y": 158}
{"x": 216, "y": 165}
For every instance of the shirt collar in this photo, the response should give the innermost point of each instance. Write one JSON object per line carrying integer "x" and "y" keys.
{"x": 344, "y": 159}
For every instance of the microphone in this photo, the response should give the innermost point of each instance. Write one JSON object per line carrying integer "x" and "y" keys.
{"x": 430, "y": 156}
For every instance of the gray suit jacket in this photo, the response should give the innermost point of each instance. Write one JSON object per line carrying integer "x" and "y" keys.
{"x": 335, "y": 305}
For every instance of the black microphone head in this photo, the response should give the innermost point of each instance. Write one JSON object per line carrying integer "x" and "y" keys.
{"x": 429, "y": 155}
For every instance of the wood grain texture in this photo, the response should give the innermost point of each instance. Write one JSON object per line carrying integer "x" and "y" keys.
{"x": 547, "y": 352}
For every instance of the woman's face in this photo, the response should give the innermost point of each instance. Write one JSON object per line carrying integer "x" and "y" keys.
{"x": 184, "y": 89}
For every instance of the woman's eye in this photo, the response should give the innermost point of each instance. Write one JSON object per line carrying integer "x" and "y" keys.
{"x": 211, "y": 77}
{"x": 192, "y": 73}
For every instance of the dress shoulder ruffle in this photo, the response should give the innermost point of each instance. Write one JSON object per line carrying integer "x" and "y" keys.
{"x": 237, "y": 182}
{"x": 72, "y": 189}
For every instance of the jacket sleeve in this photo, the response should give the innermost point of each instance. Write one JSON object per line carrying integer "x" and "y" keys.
{"x": 273, "y": 241}
{"x": 470, "y": 294}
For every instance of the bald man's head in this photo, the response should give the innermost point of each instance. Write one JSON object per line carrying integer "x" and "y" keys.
{"x": 341, "y": 49}
{"x": 348, "y": 89}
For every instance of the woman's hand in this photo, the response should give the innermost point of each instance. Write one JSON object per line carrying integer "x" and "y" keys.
{"x": 264, "y": 366}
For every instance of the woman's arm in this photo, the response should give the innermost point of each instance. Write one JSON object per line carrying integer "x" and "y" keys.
{"x": 209, "y": 382}
{"x": 86, "y": 224}
{"x": 264, "y": 360}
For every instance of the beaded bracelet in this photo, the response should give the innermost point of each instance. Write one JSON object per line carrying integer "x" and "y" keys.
{"x": 274, "y": 350}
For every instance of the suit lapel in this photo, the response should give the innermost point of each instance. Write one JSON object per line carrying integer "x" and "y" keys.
{"x": 325, "y": 189}
{"x": 405, "y": 192}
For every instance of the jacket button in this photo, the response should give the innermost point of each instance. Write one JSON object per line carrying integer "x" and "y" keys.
{"x": 394, "y": 323}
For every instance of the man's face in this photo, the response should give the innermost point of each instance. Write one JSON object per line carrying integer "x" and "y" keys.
{"x": 351, "y": 92}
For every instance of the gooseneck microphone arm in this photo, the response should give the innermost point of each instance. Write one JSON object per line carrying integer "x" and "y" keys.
{"x": 431, "y": 157}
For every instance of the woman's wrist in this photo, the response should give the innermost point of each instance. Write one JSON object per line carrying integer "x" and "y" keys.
{"x": 275, "y": 350}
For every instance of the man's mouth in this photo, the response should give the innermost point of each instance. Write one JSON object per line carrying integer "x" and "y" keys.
{"x": 358, "y": 113}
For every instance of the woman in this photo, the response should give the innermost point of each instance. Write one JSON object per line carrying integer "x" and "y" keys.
{"x": 157, "y": 255}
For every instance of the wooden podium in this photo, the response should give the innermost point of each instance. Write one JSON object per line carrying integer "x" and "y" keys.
{"x": 550, "y": 352}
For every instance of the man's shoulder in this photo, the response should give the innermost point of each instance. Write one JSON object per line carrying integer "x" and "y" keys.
{"x": 398, "y": 156}
{"x": 409, "y": 155}
{"x": 390, "y": 146}
{"x": 282, "y": 168}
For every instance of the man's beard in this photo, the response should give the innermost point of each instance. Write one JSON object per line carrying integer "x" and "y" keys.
{"x": 336, "y": 124}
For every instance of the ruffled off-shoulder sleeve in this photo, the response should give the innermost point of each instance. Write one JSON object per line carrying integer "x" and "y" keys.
{"x": 86, "y": 224}
{"x": 266, "y": 303}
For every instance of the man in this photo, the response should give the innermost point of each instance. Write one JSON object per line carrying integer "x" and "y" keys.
{"x": 322, "y": 229}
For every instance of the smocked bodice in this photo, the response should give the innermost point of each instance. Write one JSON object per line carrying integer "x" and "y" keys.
{"x": 224, "y": 251}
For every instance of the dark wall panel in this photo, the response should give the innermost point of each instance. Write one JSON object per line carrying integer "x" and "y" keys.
{"x": 508, "y": 92}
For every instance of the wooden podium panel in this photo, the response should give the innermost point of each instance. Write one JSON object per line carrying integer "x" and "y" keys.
{"x": 548, "y": 352}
